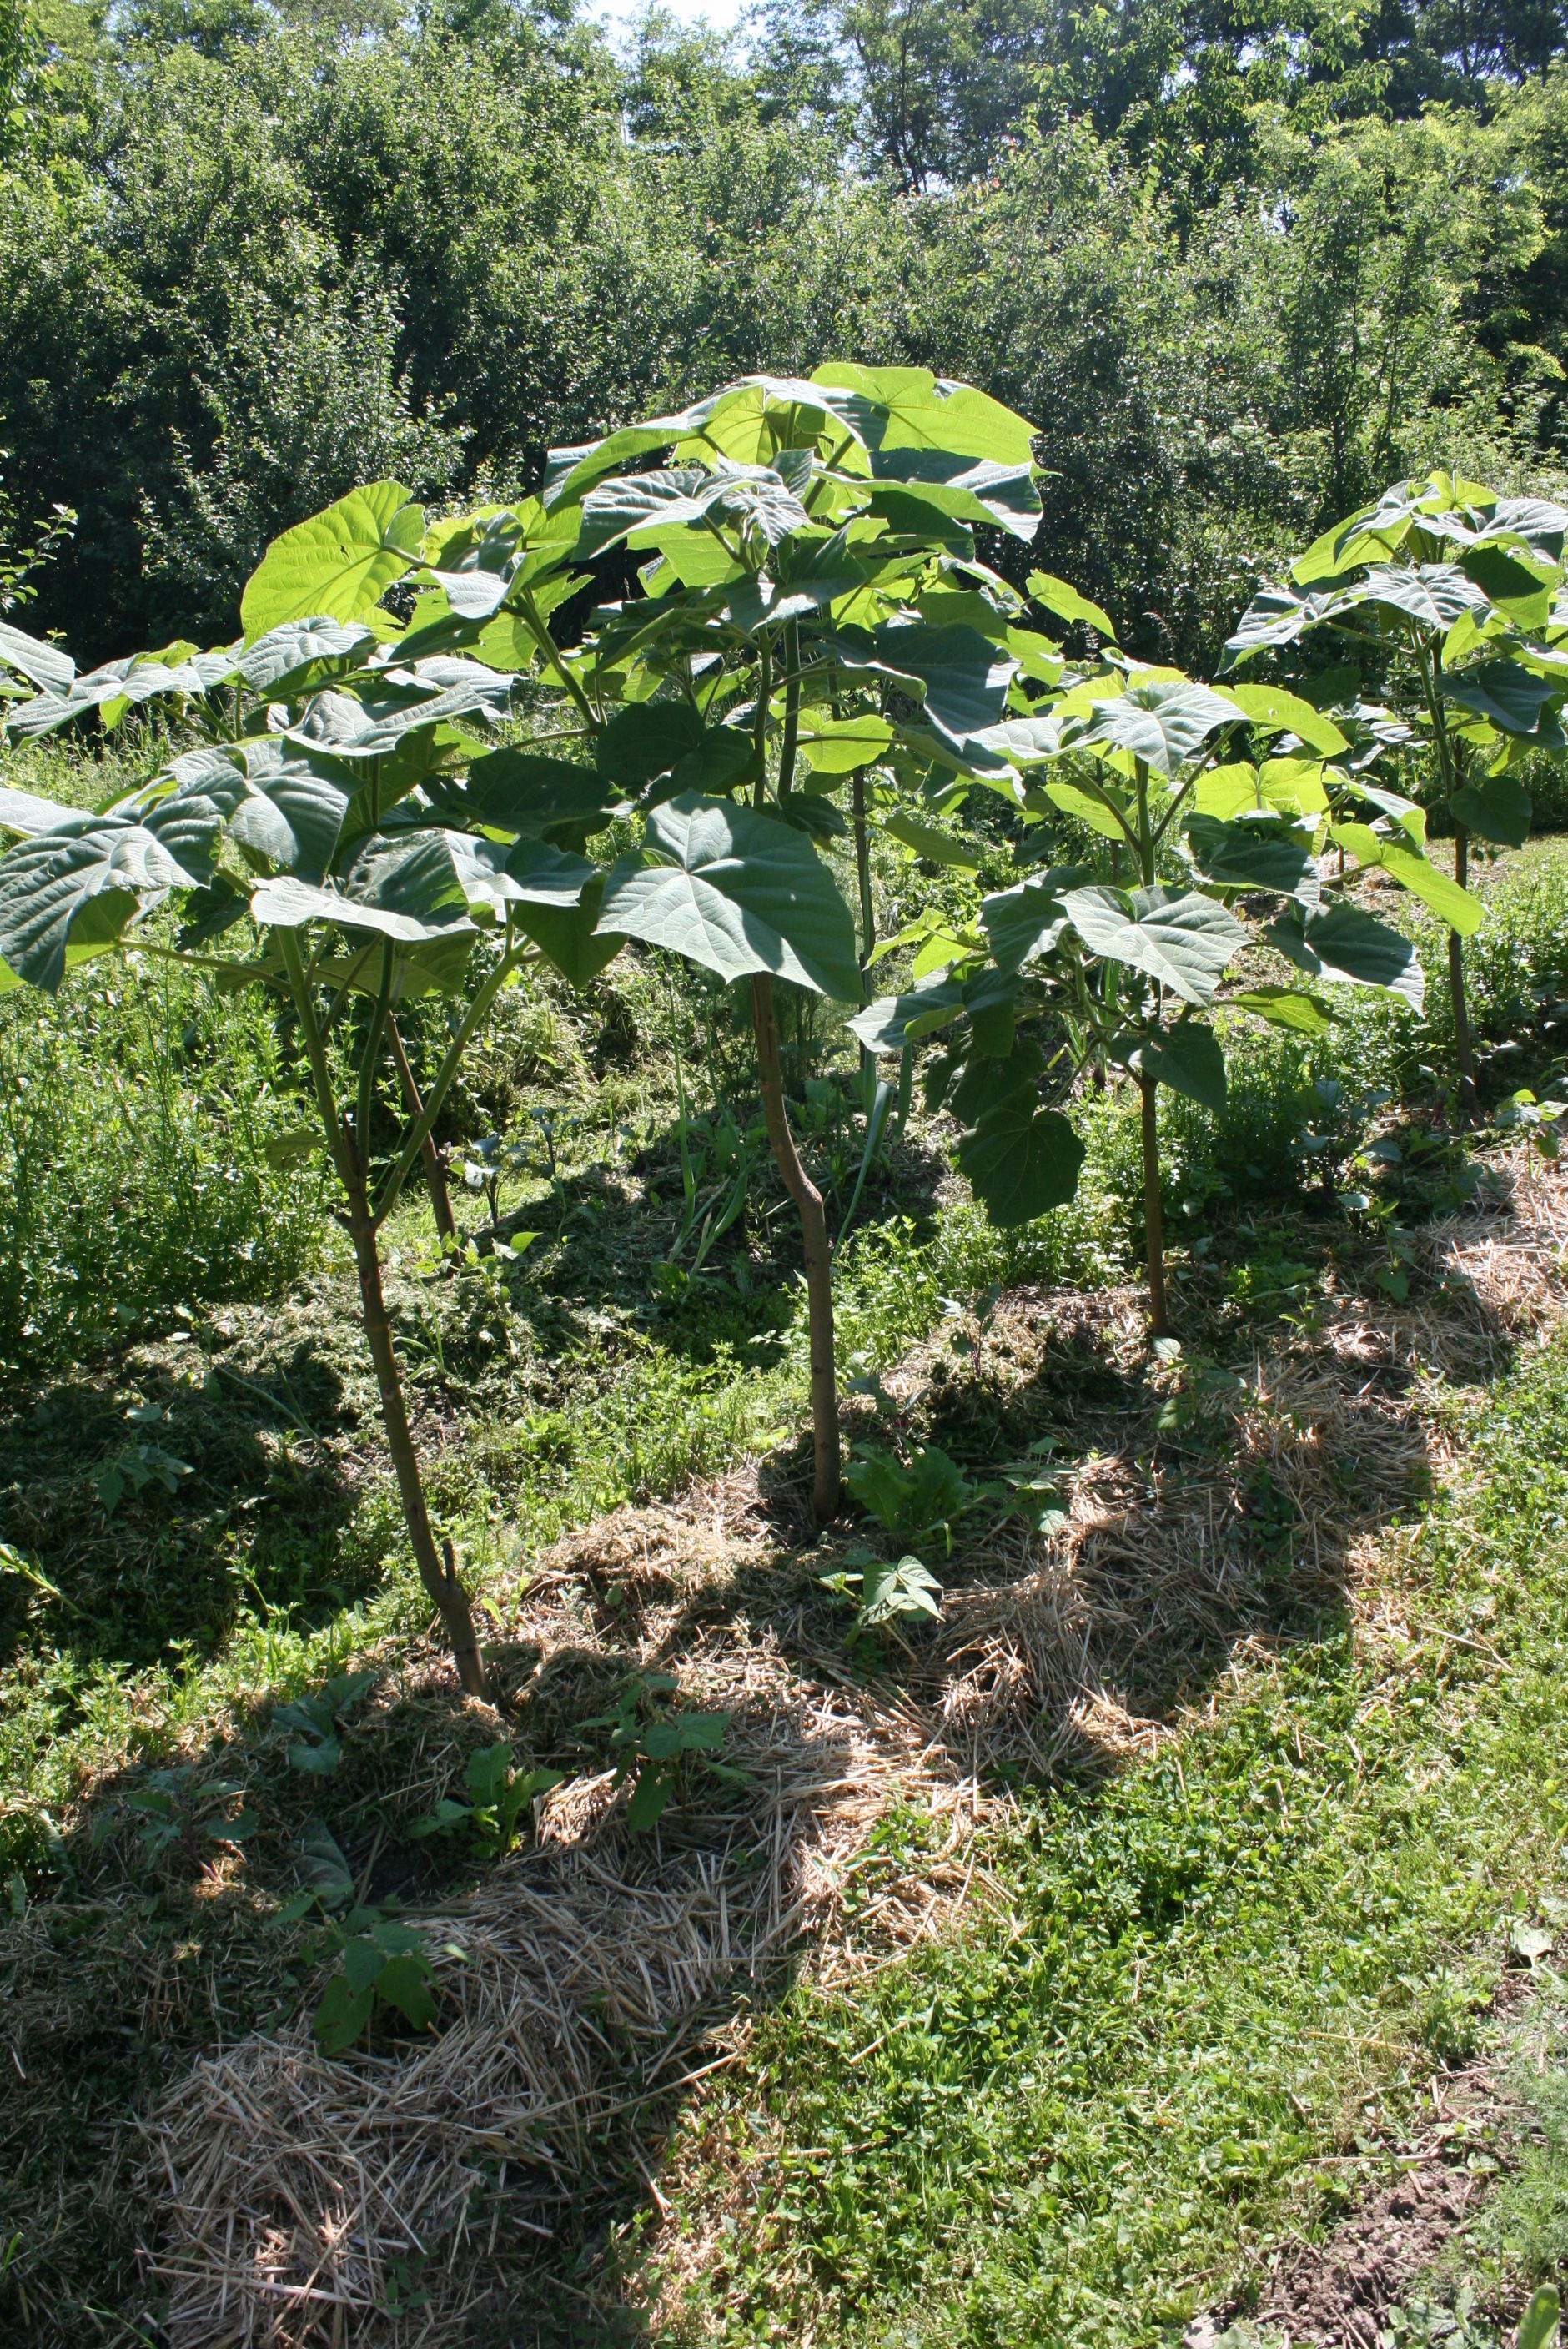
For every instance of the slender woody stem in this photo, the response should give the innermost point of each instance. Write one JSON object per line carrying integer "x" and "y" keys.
{"x": 1432, "y": 666}
{"x": 827, "y": 1468}
{"x": 438, "y": 1571}
{"x": 414, "y": 1142}
{"x": 435, "y": 1172}
{"x": 1153, "y": 1213}
{"x": 827, "y": 1457}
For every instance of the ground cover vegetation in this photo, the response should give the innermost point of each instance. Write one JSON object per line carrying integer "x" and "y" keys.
{"x": 691, "y": 1651}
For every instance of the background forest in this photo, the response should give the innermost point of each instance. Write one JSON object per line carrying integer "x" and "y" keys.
{"x": 1243, "y": 261}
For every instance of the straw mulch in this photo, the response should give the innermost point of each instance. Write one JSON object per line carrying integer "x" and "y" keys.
{"x": 597, "y": 1972}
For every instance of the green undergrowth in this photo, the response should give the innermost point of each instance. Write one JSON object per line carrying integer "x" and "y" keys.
{"x": 1198, "y": 2001}
{"x": 265, "y": 1553}
{"x": 1065, "y": 2123}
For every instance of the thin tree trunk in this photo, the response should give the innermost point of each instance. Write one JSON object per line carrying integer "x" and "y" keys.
{"x": 826, "y": 1477}
{"x": 1464, "y": 1052}
{"x": 1153, "y": 1214}
{"x": 438, "y": 1571}
{"x": 868, "y": 921}
{"x": 435, "y": 1172}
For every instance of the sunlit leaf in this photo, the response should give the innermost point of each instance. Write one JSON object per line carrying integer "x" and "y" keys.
{"x": 337, "y": 564}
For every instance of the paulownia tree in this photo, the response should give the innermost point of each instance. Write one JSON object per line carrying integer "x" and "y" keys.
{"x": 811, "y": 607}
{"x": 1449, "y": 603}
{"x": 346, "y": 828}
{"x": 1208, "y": 802}
{"x": 343, "y": 832}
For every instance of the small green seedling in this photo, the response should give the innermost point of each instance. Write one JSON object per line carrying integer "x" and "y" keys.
{"x": 884, "y": 1590}
{"x": 486, "y": 1161}
{"x": 496, "y": 1796}
{"x": 384, "y": 1966}
{"x": 178, "y": 1806}
{"x": 651, "y": 1753}
{"x": 315, "y": 1717}
{"x": 1202, "y": 1392}
{"x": 912, "y": 1498}
{"x": 1537, "y": 1120}
{"x": 139, "y": 1465}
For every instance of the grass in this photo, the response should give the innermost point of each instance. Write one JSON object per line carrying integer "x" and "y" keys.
{"x": 1198, "y": 2003}
{"x": 1196, "y": 1991}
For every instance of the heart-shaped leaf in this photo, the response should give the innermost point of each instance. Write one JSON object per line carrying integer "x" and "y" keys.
{"x": 1511, "y": 698}
{"x": 1339, "y": 941}
{"x": 1021, "y": 1160}
{"x": 1027, "y": 920}
{"x": 737, "y": 891}
{"x": 69, "y": 891}
{"x": 1186, "y": 1057}
{"x": 1499, "y": 807}
{"x": 1256, "y": 853}
{"x": 337, "y": 564}
{"x": 1180, "y": 938}
{"x": 1162, "y": 723}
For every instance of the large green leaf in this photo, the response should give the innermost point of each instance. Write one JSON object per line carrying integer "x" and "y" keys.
{"x": 644, "y": 741}
{"x": 571, "y": 937}
{"x": 744, "y": 405}
{"x": 642, "y": 507}
{"x": 1277, "y": 616}
{"x": 298, "y": 651}
{"x": 1088, "y": 803}
{"x": 1433, "y": 594}
{"x": 835, "y": 746}
{"x": 282, "y": 800}
{"x": 1161, "y": 723}
{"x": 1180, "y": 938}
{"x": 1457, "y": 907}
{"x": 46, "y": 665}
{"x": 408, "y": 892}
{"x": 962, "y": 678}
{"x": 437, "y": 875}
{"x": 1339, "y": 941}
{"x": 927, "y": 840}
{"x": 1271, "y": 709}
{"x": 1510, "y": 586}
{"x": 1021, "y": 1160}
{"x": 1066, "y": 602}
{"x": 953, "y": 490}
{"x": 805, "y": 574}
{"x": 1186, "y": 1057}
{"x": 337, "y": 564}
{"x": 1499, "y": 807}
{"x": 1261, "y": 851}
{"x": 74, "y": 888}
{"x": 908, "y": 408}
{"x": 737, "y": 891}
{"x": 1286, "y": 1007}
{"x": 1027, "y": 920}
{"x": 1513, "y": 700}
{"x": 522, "y": 791}
{"x": 894, "y": 1021}
{"x": 24, "y": 812}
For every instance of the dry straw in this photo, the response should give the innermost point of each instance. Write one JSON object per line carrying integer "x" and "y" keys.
{"x": 298, "y": 2195}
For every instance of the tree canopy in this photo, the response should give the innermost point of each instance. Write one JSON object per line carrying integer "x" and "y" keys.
{"x": 1243, "y": 263}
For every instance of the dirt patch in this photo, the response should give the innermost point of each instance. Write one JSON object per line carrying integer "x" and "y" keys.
{"x": 1410, "y": 2242}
